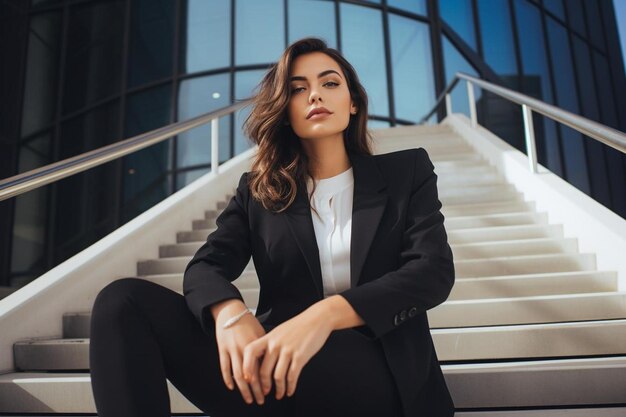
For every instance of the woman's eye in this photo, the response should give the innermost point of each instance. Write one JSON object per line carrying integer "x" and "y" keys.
{"x": 295, "y": 90}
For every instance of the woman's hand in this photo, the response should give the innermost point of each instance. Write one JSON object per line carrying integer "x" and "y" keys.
{"x": 231, "y": 343}
{"x": 285, "y": 350}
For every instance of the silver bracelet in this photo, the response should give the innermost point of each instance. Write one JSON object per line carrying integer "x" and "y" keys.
{"x": 234, "y": 320}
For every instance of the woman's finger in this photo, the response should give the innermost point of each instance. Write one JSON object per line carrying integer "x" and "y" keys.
{"x": 265, "y": 371}
{"x": 251, "y": 369}
{"x": 293, "y": 374}
{"x": 280, "y": 373}
{"x": 226, "y": 369}
{"x": 241, "y": 382}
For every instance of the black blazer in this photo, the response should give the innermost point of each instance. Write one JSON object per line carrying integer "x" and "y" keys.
{"x": 401, "y": 265}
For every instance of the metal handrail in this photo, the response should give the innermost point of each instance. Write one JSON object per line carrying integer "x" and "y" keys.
{"x": 607, "y": 135}
{"x": 38, "y": 177}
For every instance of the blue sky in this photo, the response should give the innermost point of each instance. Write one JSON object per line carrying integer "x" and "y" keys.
{"x": 620, "y": 14}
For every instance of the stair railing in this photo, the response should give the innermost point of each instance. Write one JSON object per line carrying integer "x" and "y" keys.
{"x": 607, "y": 135}
{"x": 21, "y": 183}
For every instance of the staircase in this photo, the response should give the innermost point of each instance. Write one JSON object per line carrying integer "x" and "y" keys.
{"x": 532, "y": 326}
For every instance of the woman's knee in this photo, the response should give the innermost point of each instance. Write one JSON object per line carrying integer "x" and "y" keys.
{"x": 115, "y": 298}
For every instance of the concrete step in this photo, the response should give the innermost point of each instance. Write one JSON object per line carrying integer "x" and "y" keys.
{"x": 497, "y": 219}
{"x": 533, "y": 285}
{"x": 525, "y": 264}
{"x": 542, "y": 383}
{"x": 503, "y": 233}
{"x": 461, "y": 251}
{"x": 492, "y": 207}
{"x": 486, "y": 250}
{"x": 525, "y": 310}
{"x": 552, "y": 340}
{"x": 553, "y": 383}
{"x": 593, "y": 338}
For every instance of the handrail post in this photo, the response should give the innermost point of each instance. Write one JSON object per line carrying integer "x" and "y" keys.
{"x": 214, "y": 146}
{"x": 529, "y": 134}
{"x": 448, "y": 105}
{"x": 472, "y": 103}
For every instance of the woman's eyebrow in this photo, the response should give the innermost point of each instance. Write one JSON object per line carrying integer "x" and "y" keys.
{"x": 320, "y": 75}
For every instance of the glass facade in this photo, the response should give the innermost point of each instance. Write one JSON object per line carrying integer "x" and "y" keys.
{"x": 94, "y": 72}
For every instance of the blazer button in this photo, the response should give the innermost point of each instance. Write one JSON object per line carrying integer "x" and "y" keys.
{"x": 403, "y": 315}
{"x": 412, "y": 312}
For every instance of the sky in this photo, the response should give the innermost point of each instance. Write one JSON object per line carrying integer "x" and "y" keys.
{"x": 620, "y": 15}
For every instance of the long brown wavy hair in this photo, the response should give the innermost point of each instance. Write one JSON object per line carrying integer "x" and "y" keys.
{"x": 281, "y": 164}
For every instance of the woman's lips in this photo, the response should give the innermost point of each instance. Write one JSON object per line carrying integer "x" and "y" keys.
{"x": 319, "y": 116}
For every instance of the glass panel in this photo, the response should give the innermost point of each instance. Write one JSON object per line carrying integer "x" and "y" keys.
{"x": 377, "y": 124}
{"x": 415, "y": 6}
{"x": 536, "y": 82}
{"x": 594, "y": 23}
{"x": 460, "y": 16}
{"x": 144, "y": 172}
{"x": 312, "y": 18}
{"x": 259, "y": 40}
{"x": 42, "y": 69}
{"x": 589, "y": 103}
{"x": 187, "y": 177}
{"x": 92, "y": 130}
{"x": 195, "y": 97}
{"x": 205, "y": 35}
{"x": 151, "y": 41}
{"x": 573, "y": 150}
{"x": 362, "y": 45}
{"x": 93, "y": 67}
{"x": 31, "y": 212}
{"x": 608, "y": 116}
{"x": 246, "y": 83}
{"x": 576, "y": 18}
{"x": 453, "y": 62}
{"x": 498, "y": 50}
{"x": 556, "y": 7}
{"x": 414, "y": 84}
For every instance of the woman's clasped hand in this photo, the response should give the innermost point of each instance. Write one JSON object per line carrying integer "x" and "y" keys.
{"x": 256, "y": 359}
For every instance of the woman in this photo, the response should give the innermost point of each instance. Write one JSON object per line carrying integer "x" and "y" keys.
{"x": 350, "y": 251}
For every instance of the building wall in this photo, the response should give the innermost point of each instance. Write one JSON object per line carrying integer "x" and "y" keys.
{"x": 83, "y": 74}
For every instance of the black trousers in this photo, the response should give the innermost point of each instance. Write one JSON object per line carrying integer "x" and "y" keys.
{"x": 143, "y": 333}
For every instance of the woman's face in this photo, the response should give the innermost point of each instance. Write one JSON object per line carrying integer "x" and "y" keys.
{"x": 318, "y": 81}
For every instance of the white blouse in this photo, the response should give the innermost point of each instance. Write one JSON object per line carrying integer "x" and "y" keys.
{"x": 333, "y": 201}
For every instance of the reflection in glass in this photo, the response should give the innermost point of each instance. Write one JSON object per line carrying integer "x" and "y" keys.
{"x": 245, "y": 86}
{"x": 536, "y": 82}
{"x": 565, "y": 88}
{"x": 556, "y": 7}
{"x": 151, "y": 40}
{"x": 93, "y": 64}
{"x": 195, "y": 97}
{"x": 144, "y": 172}
{"x": 414, "y": 85}
{"x": 312, "y": 18}
{"x": 575, "y": 16}
{"x": 415, "y": 6}
{"x": 42, "y": 67}
{"x": 31, "y": 212}
{"x": 88, "y": 131}
{"x": 205, "y": 35}
{"x": 187, "y": 177}
{"x": 362, "y": 45}
{"x": 498, "y": 46}
{"x": 259, "y": 39}
{"x": 453, "y": 62}
{"x": 460, "y": 16}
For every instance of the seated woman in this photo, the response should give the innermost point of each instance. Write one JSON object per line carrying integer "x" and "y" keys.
{"x": 350, "y": 250}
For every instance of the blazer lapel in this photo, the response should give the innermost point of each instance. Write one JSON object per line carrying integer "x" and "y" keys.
{"x": 368, "y": 204}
